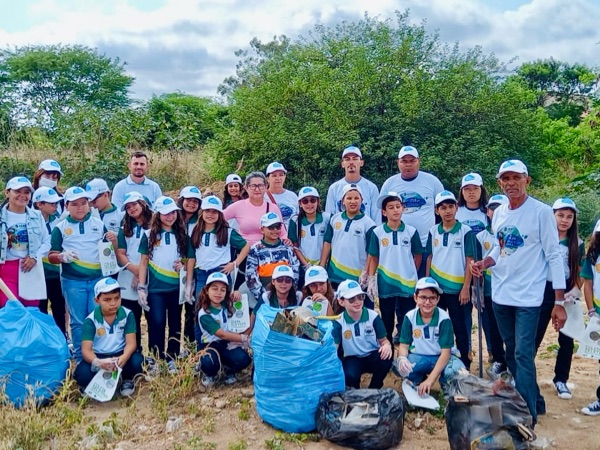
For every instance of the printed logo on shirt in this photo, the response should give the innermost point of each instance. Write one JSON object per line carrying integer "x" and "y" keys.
{"x": 68, "y": 231}
{"x": 337, "y": 225}
{"x": 487, "y": 245}
{"x": 303, "y": 233}
{"x": 357, "y": 232}
{"x": 475, "y": 225}
{"x": 417, "y": 333}
{"x": 321, "y": 231}
{"x": 436, "y": 242}
{"x": 458, "y": 243}
{"x": 286, "y": 211}
{"x": 597, "y": 267}
{"x": 18, "y": 237}
{"x": 347, "y": 334}
{"x": 405, "y": 242}
{"x": 412, "y": 202}
{"x": 369, "y": 331}
{"x": 510, "y": 239}
{"x": 113, "y": 224}
{"x": 101, "y": 332}
{"x": 95, "y": 228}
{"x": 385, "y": 242}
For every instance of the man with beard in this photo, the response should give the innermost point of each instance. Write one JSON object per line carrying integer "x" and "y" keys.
{"x": 136, "y": 181}
{"x": 351, "y": 163}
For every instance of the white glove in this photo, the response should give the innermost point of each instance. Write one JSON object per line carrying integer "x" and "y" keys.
{"x": 362, "y": 280}
{"x": 404, "y": 366}
{"x": 372, "y": 290}
{"x": 96, "y": 365}
{"x": 189, "y": 295}
{"x": 68, "y": 257}
{"x": 143, "y": 299}
{"x": 244, "y": 344}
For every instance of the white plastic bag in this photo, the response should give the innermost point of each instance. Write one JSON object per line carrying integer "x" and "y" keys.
{"x": 103, "y": 385}
{"x": 108, "y": 258}
{"x": 240, "y": 321}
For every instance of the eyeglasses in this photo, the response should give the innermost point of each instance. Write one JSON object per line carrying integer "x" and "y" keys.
{"x": 256, "y": 186}
{"x": 427, "y": 299}
{"x": 306, "y": 201}
{"x": 275, "y": 226}
{"x": 284, "y": 280}
{"x": 356, "y": 298}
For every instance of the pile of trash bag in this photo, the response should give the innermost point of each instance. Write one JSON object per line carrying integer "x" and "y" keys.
{"x": 34, "y": 356}
{"x": 291, "y": 373}
{"x": 485, "y": 414}
{"x": 362, "y": 418}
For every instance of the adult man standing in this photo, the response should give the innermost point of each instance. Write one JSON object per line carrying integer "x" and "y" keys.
{"x": 351, "y": 163}
{"x": 527, "y": 245}
{"x": 136, "y": 181}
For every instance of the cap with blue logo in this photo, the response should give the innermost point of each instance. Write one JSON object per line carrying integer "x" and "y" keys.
{"x": 211, "y": 202}
{"x": 217, "y": 276}
{"x": 444, "y": 196}
{"x": 408, "y": 150}
{"x": 49, "y": 165}
{"x": 233, "y": 178}
{"x": 384, "y": 196}
{"x": 563, "y": 203}
{"x": 165, "y": 205}
{"x": 16, "y": 183}
{"x": 45, "y": 194}
{"x": 75, "y": 193}
{"x": 131, "y": 197}
{"x": 352, "y": 150}
{"x": 512, "y": 165}
{"x": 106, "y": 285}
{"x": 308, "y": 191}
{"x": 348, "y": 289}
{"x": 428, "y": 283}
{"x": 269, "y": 219}
{"x": 498, "y": 199}
{"x": 274, "y": 167}
{"x": 471, "y": 179}
{"x": 96, "y": 187}
{"x": 315, "y": 274}
{"x": 190, "y": 192}
{"x": 282, "y": 271}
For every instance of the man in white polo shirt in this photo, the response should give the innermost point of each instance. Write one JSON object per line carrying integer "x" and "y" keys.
{"x": 351, "y": 163}
{"x": 526, "y": 249}
{"x": 136, "y": 181}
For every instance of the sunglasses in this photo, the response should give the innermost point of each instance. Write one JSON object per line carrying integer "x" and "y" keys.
{"x": 275, "y": 226}
{"x": 306, "y": 201}
{"x": 356, "y": 298}
{"x": 284, "y": 280}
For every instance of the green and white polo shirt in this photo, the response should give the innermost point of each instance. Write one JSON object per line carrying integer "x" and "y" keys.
{"x": 427, "y": 338}
{"x": 212, "y": 321}
{"x": 108, "y": 338}
{"x": 312, "y": 235}
{"x": 209, "y": 255}
{"x": 359, "y": 338}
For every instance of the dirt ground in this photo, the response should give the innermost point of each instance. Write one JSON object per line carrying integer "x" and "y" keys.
{"x": 225, "y": 417}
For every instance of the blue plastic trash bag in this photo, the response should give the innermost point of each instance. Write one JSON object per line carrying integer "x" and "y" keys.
{"x": 34, "y": 356}
{"x": 291, "y": 373}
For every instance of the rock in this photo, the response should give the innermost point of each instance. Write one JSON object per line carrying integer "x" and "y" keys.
{"x": 221, "y": 404}
{"x": 206, "y": 401}
{"x": 247, "y": 392}
{"x": 125, "y": 445}
{"x": 89, "y": 442}
{"x": 107, "y": 431}
{"x": 541, "y": 442}
{"x": 576, "y": 419}
{"x": 174, "y": 424}
{"x": 418, "y": 422}
{"x": 143, "y": 429}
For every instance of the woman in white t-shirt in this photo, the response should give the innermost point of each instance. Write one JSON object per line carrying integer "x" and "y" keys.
{"x": 276, "y": 193}
{"x": 24, "y": 239}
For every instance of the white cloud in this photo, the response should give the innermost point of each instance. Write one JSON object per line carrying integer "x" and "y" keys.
{"x": 189, "y": 45}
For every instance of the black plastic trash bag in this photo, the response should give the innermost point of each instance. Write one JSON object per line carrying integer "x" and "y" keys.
{"x": 362, "y": 418}
{"x": 486, "y": 415}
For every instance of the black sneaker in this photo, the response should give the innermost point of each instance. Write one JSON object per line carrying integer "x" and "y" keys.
{"x": 593, "y": 409}
{"x": 563, "y": 390}
{"x": 495, "y": 370}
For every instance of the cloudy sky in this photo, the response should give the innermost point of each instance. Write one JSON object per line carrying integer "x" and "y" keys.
{"x": 189, "y": 45}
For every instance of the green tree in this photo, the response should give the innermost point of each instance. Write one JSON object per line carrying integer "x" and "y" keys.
{"x": 380, "y": 84}
{"x": 42, "y": 82}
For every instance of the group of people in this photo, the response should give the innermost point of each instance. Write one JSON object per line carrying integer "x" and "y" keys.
{"x": 413, "y": 248}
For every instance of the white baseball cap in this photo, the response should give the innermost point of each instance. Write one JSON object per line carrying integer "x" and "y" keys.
{"x": 233, "y": 178}
{"x": 131, "y": 197}
{"x": 282, "y": 271}
{"x": 315, "y": 274}
{"x": 408, "y": 150}
{"x": 274, "y": 167}
{"x": 106, "y": 285}
{"x": 564, "y": 202}
{"x": 428, "y": 283}
{"x": 351, "y": 187}
{"x": 471, "y": 179}
{"x": 308, "y": 191}
{"x": 352, "y": 150}
{"x": 49, "y": 165}
{"x": 445, "y": 196}
{"x": 499, "y": 199}
{"x": 75, "y": 193}
{"x": 512, "y": 165}
{"x": 165, "y": 205}
{"x": 45, "y": 194}
{"x": 190, "y": 192}
{"x": 96, "y": 187}
{"x": 348, "y": 289}
{"x": 269, "y": 219}
{"x": 19, "y": 182}
{"x": 217, "y": 276}
{"x": 211, "y": 202}
{"x": 384, "y": 196}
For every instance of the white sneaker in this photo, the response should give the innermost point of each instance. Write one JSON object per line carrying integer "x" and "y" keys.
{"x": 563, "y": 390}
{"x": 593, "y": 409}
{"x": 208, "y": 381}
{"x": 230, "y": 379}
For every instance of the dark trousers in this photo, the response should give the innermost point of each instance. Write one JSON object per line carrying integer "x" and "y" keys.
{"x": 57, "y": 301}
{"x": 456, "y": 311}
{"x": 394, "y": 308}
{"x": 355, "y": 366}
{"x": 84, "y": 374}
{"x": 496, "y": 343}
{"x": 136, "y": 309}
{"x": 188, "y": 322}
{"x": 219, "y": 358}
{"x": 164, "y": 308}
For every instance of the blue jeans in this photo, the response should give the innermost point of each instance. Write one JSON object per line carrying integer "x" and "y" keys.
{"x": 424, "y": 364}
{"x": 518, "y": 327}
{"x": 218, "y": 358}
{"x": 164, "y": 307}
{"x": 79, "y": 295}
